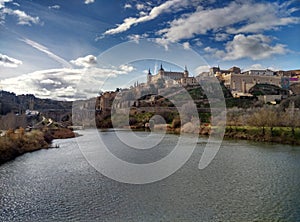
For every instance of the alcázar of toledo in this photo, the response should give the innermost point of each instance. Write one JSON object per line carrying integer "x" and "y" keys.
{"x": 238, "y": 82}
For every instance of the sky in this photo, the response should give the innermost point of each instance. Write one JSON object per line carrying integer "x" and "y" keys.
{"x": 71, "y": 49}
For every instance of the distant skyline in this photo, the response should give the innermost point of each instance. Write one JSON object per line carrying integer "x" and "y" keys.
{"x": 46, "y": 47}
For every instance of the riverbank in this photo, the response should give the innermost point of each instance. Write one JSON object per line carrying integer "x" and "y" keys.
{"x": 18, "y": 142}
{"x": 282, "y": 135}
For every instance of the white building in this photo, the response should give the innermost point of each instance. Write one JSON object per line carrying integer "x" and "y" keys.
{"x": 266, "y": 72}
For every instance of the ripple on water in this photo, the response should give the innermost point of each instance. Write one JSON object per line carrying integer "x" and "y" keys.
{"x": 245, "y": 182}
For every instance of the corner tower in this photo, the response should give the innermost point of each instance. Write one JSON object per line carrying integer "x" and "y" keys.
{"x": 149, "y": 77}
{"x": 161, "y": 71}
{"x": 186, "y": 72}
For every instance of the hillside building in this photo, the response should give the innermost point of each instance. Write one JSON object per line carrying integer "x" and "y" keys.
{"x": 265, "y": 72}
{"x": 171, "y": 78}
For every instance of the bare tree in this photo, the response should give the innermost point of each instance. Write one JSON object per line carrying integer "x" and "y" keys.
{"x": 264, "y": 117}
{"x": 234, "y": 117}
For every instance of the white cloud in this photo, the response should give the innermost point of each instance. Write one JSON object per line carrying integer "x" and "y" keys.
{"x": 50, "y": 82}
{"x": 89, "y": 1}
{"x": 126, "y": 68}
{"x": 168, "y": 6}
{"x": 236, "y": 17}
{"x": 186, "y": 45}
{"x": 64, "y": 83}
{"x": 23, "y": 18}
{"x": 45, "y": 84}
{"x": 255, "y": 67}
{"x": 202, "y": 69}
{"x": 2, "y": 3}
{"x": 127, "y": 6}
{"x": 86, "y": 61}
{"x": 140, "y": 6}
{"x": 16, "y": 4}
{"x": 136, "y": 38}
{"x": 142, "y": 13}
{"x": 7, "y": 61}
{"x": 220, "y": 37}
{"x": 268, "y": 23}
{"x": 54, "y": 7}
{"x": 252, "y": 46}
{"x": 197, "y": 41}
{"x": 260, "y": 67}
{"x": 163, "y": 42}
{"x": 215, "y": 52}
{"x": 47, "y": 51}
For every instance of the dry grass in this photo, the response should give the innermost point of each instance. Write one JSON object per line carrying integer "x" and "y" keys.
{"x": 16, "y": 143}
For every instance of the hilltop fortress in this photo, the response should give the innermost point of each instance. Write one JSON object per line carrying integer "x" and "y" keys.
{"x": 171, "y": 78}
{"x": 238, "y": 82}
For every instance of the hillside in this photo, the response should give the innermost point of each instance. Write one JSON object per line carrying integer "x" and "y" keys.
{"x": 10, "y": 102}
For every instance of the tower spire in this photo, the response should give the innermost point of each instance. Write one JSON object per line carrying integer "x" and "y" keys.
{"x": 186, "y": 72}
{"x": 161, "y": 67}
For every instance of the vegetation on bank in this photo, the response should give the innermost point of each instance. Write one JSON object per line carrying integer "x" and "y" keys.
{"x": 269, "y": 123}
{"x": 284, "y": 135}
{"x": 247, "y": 118}
{"x": 17, "y": 142}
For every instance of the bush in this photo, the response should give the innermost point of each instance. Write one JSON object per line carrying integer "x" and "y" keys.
{"x": 14, "y": 144}
{"x": 176, "y": 123}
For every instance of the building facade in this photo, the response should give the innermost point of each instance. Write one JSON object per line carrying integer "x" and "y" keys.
{"x": 241, "y": 84}
{"x": 171, "y": 78}
{"x": 264, "y": 72}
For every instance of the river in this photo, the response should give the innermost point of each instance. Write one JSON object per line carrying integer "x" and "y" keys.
{"x": 245, "y": 182}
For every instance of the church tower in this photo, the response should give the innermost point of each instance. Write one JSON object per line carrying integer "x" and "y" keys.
{"x": 149, "y": 77}
{"x": 186, "y": 72}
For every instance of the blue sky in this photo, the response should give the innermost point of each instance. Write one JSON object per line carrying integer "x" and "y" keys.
{"x": 49, "y": 47}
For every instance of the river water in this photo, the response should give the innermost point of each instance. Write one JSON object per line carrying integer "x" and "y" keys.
{"x": 245, "y": 182}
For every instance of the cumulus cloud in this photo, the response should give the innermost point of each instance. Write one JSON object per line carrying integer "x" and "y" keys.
{"x": 54, "y": 7}
{"x": 7, "y": 61}
{"x": 89, "y": 1}
{"x": 168, "y": 6}
{"x": 186, "y": 45}
{"x": 86, "y": 61}
{"x": 255, "y": 67}
{"x": 127, "y": 6}
{"x": 252, "y": 46}
{"x": 214, "y": 51}
{"x": 197, "y": 41}
{"x": 136, "y": 38}
{"x": 2, "y": 3}
{"x": 140, "y": 6}
{"x": 260, "y": 67}
{"x": 126, "y": 68}
{"x": 201, "y": 69}
{"x": 45, "y": 84}
{"x": 23, "y": 18}
{"x": 220, "y": 37}
{"x": 236, "y": 17}
{"x": 64, "y": 83}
